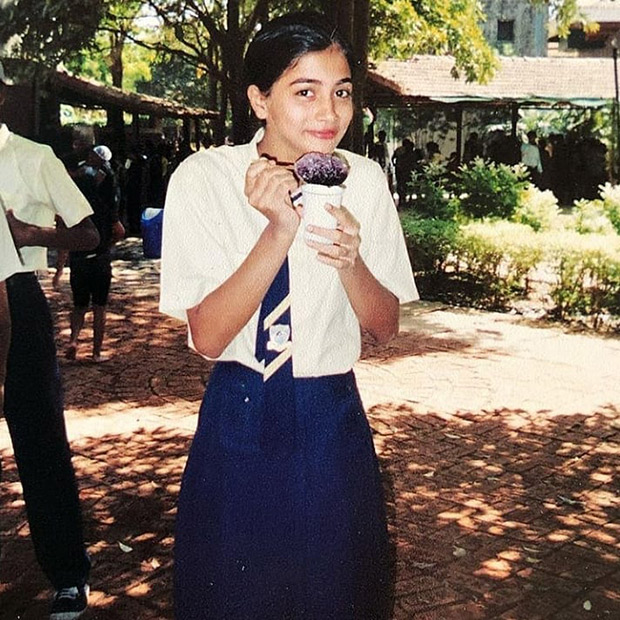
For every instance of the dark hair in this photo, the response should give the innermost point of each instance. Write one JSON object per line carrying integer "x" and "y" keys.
{"x": 284, "y": 40}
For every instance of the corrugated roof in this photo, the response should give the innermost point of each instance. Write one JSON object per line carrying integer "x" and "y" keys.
{"x": 576, "y": 81}
{"x": 600, "y": 10}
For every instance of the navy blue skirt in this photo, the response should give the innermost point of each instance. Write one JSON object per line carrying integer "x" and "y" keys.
{"x": 299, "y": 535}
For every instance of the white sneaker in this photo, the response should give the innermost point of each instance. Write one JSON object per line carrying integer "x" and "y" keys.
{"x": 70, "y": 603}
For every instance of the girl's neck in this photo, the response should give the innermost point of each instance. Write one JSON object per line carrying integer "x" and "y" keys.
{"x": 264, "y": 150}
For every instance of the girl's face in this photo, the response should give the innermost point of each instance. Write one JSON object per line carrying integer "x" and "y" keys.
{"x": 308, "y": 108}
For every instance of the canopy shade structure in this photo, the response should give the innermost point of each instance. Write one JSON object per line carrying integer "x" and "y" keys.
{"x": 545, "y": 82}
{"x": 83, "y": 92}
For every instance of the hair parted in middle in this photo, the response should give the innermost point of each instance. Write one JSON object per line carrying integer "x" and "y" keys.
{"x": 282, "y": 41}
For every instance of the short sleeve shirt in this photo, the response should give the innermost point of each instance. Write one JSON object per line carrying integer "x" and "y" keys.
{"x": 9, "y": 259}
{"x": 36, "y": 186}
{"x": 210, "y": 228}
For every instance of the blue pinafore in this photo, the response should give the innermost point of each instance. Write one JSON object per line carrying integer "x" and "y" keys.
{"x": 281, "y": 513}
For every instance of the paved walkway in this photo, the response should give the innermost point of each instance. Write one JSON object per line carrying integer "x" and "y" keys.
{"x": 499, "y": 442}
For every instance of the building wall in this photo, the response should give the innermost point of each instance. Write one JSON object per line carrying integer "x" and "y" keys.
{"x": 529, "y": 25}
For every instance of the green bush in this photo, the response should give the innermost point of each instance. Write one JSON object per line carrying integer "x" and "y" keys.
{"x": 589, "y": 217}
{"x": 486, "y": 189}
{"x": 587, "y": 270}
{"x": 610, "y": 195}
{"x": 488, "y": 262}
{"x": 499, "y": 255}
{"x": 537, "y": 209}
{"x": 429, "y": 241}
{"x": 430, "y": 195}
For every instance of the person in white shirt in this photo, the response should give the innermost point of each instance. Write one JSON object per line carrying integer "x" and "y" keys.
{"x": 281, "y": 511}
{"x": 530, "y": 158}
{"x": 9, "y": 264}
{"x": 36, "y": 190}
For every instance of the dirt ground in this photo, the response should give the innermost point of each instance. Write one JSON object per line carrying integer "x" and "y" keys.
{"x": 499, "y": 444}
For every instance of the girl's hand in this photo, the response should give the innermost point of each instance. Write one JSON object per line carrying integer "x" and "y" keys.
{"x": 343, "y": 251}
{"x": 268, "y": 187}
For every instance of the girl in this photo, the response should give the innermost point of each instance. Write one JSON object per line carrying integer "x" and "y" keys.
{"x": 281, "y": 513}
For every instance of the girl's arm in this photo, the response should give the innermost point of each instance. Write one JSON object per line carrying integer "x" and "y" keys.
{"x": 221, "y": 315}
{"x": 376, "y": 308}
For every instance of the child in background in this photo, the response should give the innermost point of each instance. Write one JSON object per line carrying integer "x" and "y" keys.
{"x": 281, "y": 513}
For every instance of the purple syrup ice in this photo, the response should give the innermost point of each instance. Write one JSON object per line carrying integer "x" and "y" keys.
{"x": 322, "y": 169}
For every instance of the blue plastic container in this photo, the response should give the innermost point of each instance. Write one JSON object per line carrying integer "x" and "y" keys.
{"x": 151, "y": 224}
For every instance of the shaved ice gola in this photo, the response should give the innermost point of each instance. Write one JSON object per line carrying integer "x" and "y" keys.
{"x": 322, "y": 169}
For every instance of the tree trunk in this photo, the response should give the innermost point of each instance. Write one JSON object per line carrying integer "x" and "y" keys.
{"x": 232, "y": 57}
{"x": 361, "y": 18}
{"x": 219, "y": 124}
{"x": 115, "y": 59}
{"x": 352, "y": 18}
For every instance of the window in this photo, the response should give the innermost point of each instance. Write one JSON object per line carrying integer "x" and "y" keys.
{"x": 505, "y": 31}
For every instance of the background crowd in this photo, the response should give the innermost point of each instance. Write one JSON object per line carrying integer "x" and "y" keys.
{"x": 572, "y": 167}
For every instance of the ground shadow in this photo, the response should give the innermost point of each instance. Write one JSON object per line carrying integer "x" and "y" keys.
{"x": 487, "y": 517}
{"x": 128, "y": 485}
{"x": 138, "y": 337}
{"x": 493, "y": 519}
{"x": 499, "y": 515}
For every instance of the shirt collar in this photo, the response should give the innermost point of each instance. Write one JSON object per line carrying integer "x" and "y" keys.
{"x": 4, "y": 135}
{"x": 258, "y": 136}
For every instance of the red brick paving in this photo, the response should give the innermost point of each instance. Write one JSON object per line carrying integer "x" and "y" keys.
{"x": 499, "y": 443}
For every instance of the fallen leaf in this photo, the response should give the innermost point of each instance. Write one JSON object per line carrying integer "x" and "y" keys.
{"x": 570, "y": 502}
{"x": 587, "y": 605}
{"x": 532, "y": 560}
{"x": 459, "y": 552}
{"x": 531, "y": 549}
{"x": 125, "y": 548}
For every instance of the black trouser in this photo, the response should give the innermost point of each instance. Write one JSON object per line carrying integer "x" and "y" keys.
{"x": 33, "y": 407}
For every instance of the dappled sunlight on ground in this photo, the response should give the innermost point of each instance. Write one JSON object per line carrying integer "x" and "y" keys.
{"x": 482, "y": 512}
{"x": 499, "y": 446}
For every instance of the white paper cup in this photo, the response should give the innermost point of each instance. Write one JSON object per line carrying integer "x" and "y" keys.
{"x": 314, "y": 198}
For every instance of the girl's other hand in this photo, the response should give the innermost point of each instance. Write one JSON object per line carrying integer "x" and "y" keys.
{"x": 268, "y": 187}
{"x": 343, "y": 251}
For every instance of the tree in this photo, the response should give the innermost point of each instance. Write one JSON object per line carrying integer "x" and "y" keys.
{"x": 111, "y": 56}
{"x": 210, "y": 36}
{"x": 213, "y": 36}
{"x": 46, "y": 32}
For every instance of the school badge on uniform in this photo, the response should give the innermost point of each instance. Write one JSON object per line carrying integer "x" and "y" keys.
{"x": 279, "y": 337}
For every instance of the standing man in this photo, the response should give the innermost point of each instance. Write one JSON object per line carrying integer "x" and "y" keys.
{"x": 380, "y": 151}
{"x": 405, "y": 161}
{"x": 36, "y": 187}
{"x": 9, "y": 264}
{"x": 530, "y": 158}
{"x": 91, "y": 271}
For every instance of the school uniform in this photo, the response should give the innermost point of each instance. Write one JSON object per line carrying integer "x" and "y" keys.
{"x": 9, "y": 259}
{"x": 34, "y": 183}
{"x": 281, "y": 511}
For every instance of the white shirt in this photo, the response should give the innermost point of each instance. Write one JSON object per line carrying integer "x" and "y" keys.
{"x": 210, "y": 228}
{"x": 530, "y": 156}
{"x": 36, "y": 186}
{"x": 9, "y": 259}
